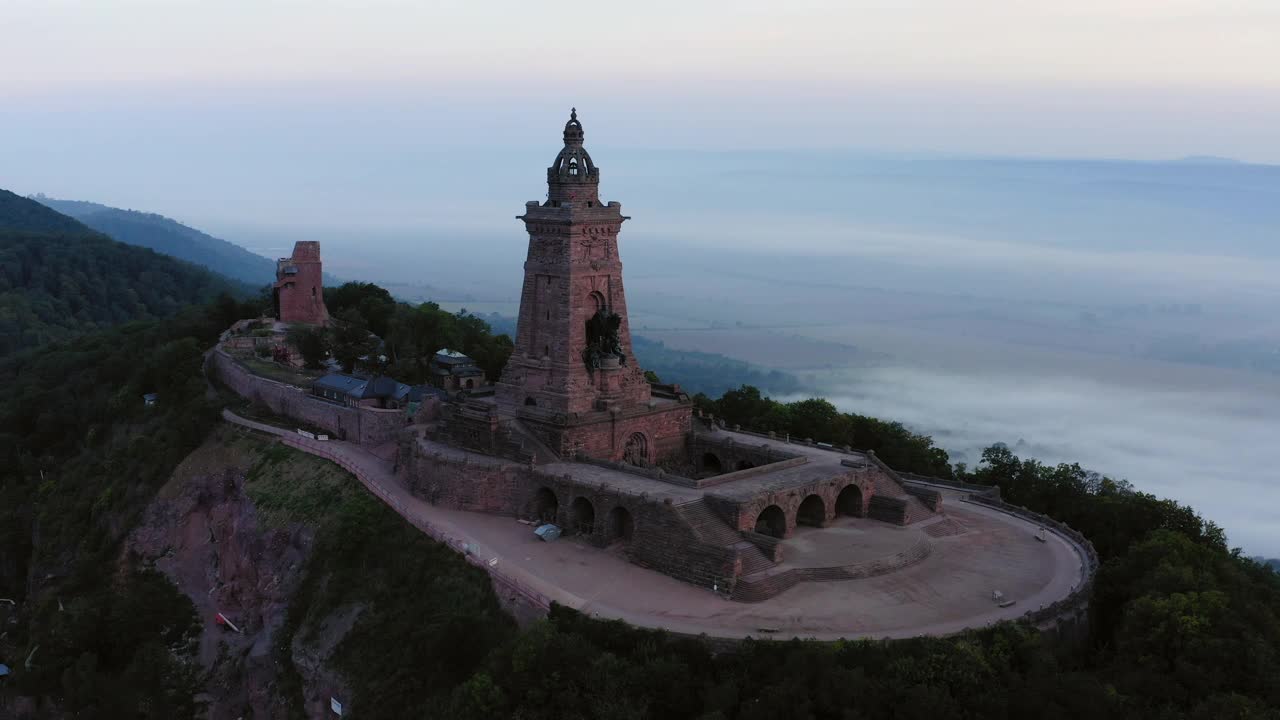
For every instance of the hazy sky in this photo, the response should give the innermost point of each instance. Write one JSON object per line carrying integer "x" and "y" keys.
{"x": 1120, "y": 78}
{"x": 407, "y": 135}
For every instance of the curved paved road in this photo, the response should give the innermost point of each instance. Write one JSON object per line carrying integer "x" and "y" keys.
{"x": 946, "y": 593}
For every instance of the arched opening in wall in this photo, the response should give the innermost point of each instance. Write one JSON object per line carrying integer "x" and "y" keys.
{"x": 711, "y": 463}
{"x": 470, "y": 384}
{"x": 530, "y": 402}
{"x": 744, "y": 465}
{"x": 597, "y": 301}
{"x": 812, "y": 512}
{"x": 636, "y": 451}
{"x": 772, "y": 521}
{"x": 849, "y": 501}
{"x": 620, "y": 525}
{"x": 545, "y": 506}
{"x": 582, "y": 516}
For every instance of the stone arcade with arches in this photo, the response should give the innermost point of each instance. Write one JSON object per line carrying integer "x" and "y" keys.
{"x": 576, "y": 435}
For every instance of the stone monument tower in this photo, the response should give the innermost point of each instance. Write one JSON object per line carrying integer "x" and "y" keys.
{"x": 572, "y": 377}
{"x": 299, "y": 286}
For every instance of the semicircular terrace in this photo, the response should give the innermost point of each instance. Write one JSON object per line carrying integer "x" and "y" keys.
{"x": 973, "y": 552}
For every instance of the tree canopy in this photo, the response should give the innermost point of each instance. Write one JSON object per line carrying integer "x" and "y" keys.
{"x": 413, "y": 334}
{"x": 170, "y": 237}
{"x": 819, "y": 420}
{"x": 58, "y": 278}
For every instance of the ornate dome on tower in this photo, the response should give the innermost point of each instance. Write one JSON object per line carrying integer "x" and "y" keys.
{"x": 573, "y": 164}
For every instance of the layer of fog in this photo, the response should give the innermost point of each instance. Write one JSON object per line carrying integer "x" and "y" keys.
{"x": 1212, "y": 447}
{"x": 1116, "y": 314}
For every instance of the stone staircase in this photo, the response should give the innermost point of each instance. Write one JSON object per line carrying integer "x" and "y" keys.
{"x": 515, "y": 433}
{"x": 764, "y": 585}
{"x": 761, "y": 586}
{"x": 901, "y": 509}
{"x": 893, "y": 502}
{"x": 710, "y": 529}
{"x": 706, "y": 524}
{"x": 753, "y": 561}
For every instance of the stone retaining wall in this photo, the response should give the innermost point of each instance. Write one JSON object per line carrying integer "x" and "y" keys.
{"x": 711, "y": 453}
{"x": 987, "y": 490}
{"x": 778, "y": 581}
{"x": 768, "y": 544}
{"x": 505, "y": 583}
{"x": 932, "y": 499}
{"x": 510, "y": 587}
{"x": 658, "y": 537}
{"x": 463, "y": 480}
{"x": 363, "y": 425}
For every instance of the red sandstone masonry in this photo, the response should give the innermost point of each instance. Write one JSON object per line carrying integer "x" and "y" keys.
{"x": 572, "y": 271}
{"x": 314, "y": 447}
{"x": 363, "y": 425}
{"x": 299, "y": 286}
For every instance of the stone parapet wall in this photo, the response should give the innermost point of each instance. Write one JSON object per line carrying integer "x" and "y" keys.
{"x": 893, "y": 510}
{"x": 743, "y": 513}
{"x": 769, "y": 545}
{"x": 1067, "y": 618}
{"x": 512, "y": 588}
{"x": 992, "y": 491}
{"x": 661, "y": 539}
{"x": 367, "y": 426}
{"x": 750, "y": 472}
{"x": 462, "y": 480}
{"x": 732, "y": 457}
{"x": 654, "y": 473}
{"x": 507, "y": 584}
{"x": 605, "y": 435}
{"x": 889, "y": 483}
{"x": 931, "y": 498}
{"x": 666, "y": 431}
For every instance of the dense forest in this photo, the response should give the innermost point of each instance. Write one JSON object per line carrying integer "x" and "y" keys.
{"x": 819, "y": 420}
{"x": 373, "y": 332}
{"x": 59, "y": 278}
{"x": 1182, "y": 626}
{"x": 82, "y": 456}
{"x": 170, "y": 237}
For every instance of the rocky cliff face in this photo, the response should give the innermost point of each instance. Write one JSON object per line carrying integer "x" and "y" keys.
{"x": 204, "y": 532}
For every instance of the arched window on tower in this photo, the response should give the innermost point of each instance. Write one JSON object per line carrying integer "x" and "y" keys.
{"x": 597, "y": 300}
{"x": 573, "y": 166}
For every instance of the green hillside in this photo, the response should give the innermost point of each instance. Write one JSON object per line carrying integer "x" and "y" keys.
{"x": 169, "y": 237}
{"x": 19, "y": 213}
{"x": 59, "y": 278}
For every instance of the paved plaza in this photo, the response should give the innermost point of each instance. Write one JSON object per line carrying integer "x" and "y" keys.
{"x": 946, "y": 592}
{"x": 977, "y": 550}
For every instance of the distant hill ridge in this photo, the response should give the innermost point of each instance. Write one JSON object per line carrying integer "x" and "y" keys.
{"x": 170, "y": 237}
{"x": 60, "y": 278}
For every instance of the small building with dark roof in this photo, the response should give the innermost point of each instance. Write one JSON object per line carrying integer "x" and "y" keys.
{"x": 356, "y": 391}
{"x": 453, "y": 371}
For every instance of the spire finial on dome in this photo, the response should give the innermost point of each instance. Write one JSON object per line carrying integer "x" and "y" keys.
{"x": 573, "y": 129}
